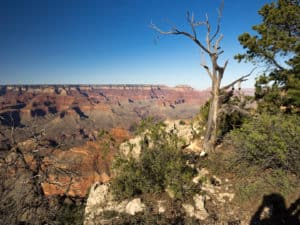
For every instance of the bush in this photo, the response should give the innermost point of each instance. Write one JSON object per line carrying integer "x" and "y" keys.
{"x": 161, "y": 165}
{"x": 272, "y": 181}
{"x": 269, "y": 141}
{"x": 71, "y": 214}
{"x": 181, "y": 122}
{"x": 227, "y": 121}
{"x": 204, "y": 112}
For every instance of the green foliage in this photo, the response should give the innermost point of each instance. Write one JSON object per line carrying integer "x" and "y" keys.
{"x": 277, "y": 35}
{"x": 229, "y": 122}
{"x": 161, "y": 165}
{"x": 204, "y": 111}
{"x": 274, "y": 181}
{"x": 147, "y": 123}
{"x": 71, "y": 214}
{"x": 181, "y": 122}
{"x": 269, "y": 141}
{"x": 277, "y": 45}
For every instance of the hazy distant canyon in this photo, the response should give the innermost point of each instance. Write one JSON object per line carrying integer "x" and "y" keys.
{"x": 71, "y": 113}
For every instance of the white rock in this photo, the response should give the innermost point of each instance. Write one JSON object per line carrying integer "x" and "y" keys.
{"x": 216, "y": 181}
{"x": 202, "y": 154}
{"x": 209, "y": 188}
{"x": 200, "y": 212}
{"x": 98, "y": 195}
{"x": 161, "y": 206}
{"x": 199, "y": 202}
{"x": 194, "y": 146}
{"x": 183, "y": 131}
{"x": 131, "y": 147}
{"x": 100, "y": 199}
{"x": 96, "y": 202}
{"x": 201, "y": 174}
{"x": 223, "y": 197}
{"x": 134, "y": 206}
{"x": 189, "y": 209}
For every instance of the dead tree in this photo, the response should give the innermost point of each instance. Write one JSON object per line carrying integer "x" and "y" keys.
{"x": 211, "y": 48}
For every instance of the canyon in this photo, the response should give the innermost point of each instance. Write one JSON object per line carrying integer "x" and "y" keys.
{"x": 65, "y": 124}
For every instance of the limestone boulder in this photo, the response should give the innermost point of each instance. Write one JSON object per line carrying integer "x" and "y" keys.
{"x": 134, "y": 206}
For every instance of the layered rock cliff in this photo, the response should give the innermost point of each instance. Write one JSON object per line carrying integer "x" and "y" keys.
{"x": 58, "y": 126}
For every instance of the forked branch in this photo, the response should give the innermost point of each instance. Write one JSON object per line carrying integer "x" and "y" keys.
{"x": 176, "y": 31}
{"x": 241, "y": 79}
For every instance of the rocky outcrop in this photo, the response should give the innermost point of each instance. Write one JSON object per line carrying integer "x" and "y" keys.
{"x": 196, "y": 210}
{"x": 100, "y": 200}
{"x": 67, "y": 172}
{"x": 213, "y": 193}
{"x": 87, "y": 164}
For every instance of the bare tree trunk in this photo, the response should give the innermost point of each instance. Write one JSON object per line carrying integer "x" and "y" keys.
{"x": 211, "y": 132}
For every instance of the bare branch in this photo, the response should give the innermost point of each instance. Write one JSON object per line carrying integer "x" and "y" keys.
{"x": 204, "y": 65}
{"x": 207, "y": 70}
{"x": 217, "y": 43}
{"x": 222, "y": 69}
{"x": 190, "y": 20}
{"x": 225, "y": 64}
{"x": 241, "y": 79}
{"x": 220, "y": 10}
{"x": 208, "y": 33}
{"x": 175, "y": 31}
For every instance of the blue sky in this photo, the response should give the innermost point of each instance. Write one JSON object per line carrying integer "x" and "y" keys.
{"x": 110, "y": 42}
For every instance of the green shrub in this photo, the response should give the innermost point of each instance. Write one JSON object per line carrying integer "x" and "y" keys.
{"x": 181, "y": 122}
{"x": 204, "y": 111}
{"x": 161, "y": 165}
{"x": 269, "y": 141}
{"x": 71, "y": 214}
{"x": 271, "y": 181}
{"x": 227, "y": 121}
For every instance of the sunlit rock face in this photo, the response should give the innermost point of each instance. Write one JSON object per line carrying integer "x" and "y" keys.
{"x": 71, "y": 114}
{"x": 77, "y": 168}
{"x": 43, "y": 100}
{"x": 84, "y": 165}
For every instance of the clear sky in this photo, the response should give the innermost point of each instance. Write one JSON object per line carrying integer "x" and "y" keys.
{"x": 110, "y": 42}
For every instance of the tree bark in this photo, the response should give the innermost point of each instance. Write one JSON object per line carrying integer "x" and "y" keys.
{"x": 211, "y": 132}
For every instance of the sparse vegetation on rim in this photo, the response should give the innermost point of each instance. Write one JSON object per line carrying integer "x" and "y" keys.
{"x": 161, "y": 165}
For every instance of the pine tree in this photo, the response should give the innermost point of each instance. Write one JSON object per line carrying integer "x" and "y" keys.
{"x": 276, "y": 45}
